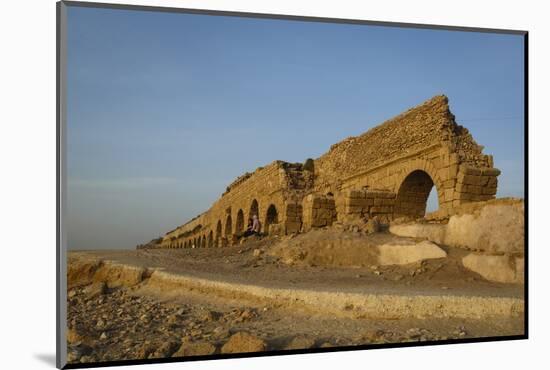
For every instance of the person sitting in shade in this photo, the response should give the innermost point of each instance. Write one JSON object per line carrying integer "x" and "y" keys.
{"x": 253, "y": 229}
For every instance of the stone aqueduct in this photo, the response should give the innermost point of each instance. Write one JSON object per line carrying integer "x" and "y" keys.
{"x": 387, "y": 172}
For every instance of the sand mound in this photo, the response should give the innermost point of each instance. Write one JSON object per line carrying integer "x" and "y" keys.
{"x": 352, "y": 249}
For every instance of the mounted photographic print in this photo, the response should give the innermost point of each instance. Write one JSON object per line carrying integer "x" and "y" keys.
{"x": 235, "y": 184}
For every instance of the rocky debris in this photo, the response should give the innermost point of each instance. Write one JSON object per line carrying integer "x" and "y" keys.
{"x": 144, "y": 351}
{"x": 73, "y": 336}
{"x": 372, "y": 226}
{"x": 195, "y": 349}
{"x": 201, "y": 330}
{"x": 119, "y": 324}
{"x": 96, "y": 289}
{"x": 300, "y": 342}
{"x": 243, "y": 342}
{"x": 373, "y": 336}
{"x": 208, "y": 315}
{"x": 75, "y": 353}
{"x": 257, "y": 252}
{"x": 166, "y": 349}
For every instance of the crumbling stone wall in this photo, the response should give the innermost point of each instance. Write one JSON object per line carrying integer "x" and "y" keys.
{"x": 356, "y": 205}
{"x": 318, "y": 211}
{"x": 387, "y": 172}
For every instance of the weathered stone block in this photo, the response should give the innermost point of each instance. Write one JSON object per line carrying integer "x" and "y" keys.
{"x": 399, "y": 254}
{"x": 488, "y": 191}
{"x": 493, "y": 268}
{"x": 356, "y": 194}
{"x": 493, "y": 172}
{"x": 380, "y": 209}
{"x": 354, "y": 209}
{"x": 353, "y": 202}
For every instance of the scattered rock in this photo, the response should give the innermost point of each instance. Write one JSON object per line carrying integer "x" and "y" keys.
{"x": 208, "y": 315}
{"x": 375, "y": 336}
{"x": 195, "y": 349}
{"x": 75, "y": 353}
{"x": 96, "y": 289}
{"x": 248, "y": 314}
{"x": 300, "y": 342}
{"x": 166, "y": 349}
{"x": 87, "y": 358}
{"x": 372, "y": 226}
{"x": 144, "y": 351}
{"x": 243, "y": 342}
{"x": 73, "y": 336}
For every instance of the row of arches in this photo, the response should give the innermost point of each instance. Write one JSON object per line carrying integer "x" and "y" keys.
{"x": 227, "y": 232}
{"x": 412, "y": 193}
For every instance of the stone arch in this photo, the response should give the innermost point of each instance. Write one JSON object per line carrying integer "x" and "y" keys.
{"x": 412, "y": 194}
{"x": 254, "y": 209}
{"x": 218, "y": 233}
{"x": 210, "y": 239}
{"x": 239, "y": 225}
{"x": 271, "y": 217}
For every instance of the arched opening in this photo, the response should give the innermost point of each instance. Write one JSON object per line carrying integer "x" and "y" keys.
{"x": 210, "y": 239}
{"x": 203, "y": 241}
{"x": 239, "y": 227}
{"x": 254, "y": 209}
{"x": 412, "y": 197}
{"x": 218, "y": 233}
{"x": 271, "y": 217}
{"x": 228, "y": 229}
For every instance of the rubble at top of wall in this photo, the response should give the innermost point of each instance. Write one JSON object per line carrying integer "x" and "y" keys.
{"x": 469, "y": 152}
{"x": 239, "y": 180}
{"x": 293, "y": 176}
{"x": 420, "y": 127}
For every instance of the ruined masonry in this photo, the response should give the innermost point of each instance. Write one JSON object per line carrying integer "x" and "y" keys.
{"x": 387, "y": 172}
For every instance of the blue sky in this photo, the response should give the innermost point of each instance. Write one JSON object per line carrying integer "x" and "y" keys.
{"x": 165, "y": 110}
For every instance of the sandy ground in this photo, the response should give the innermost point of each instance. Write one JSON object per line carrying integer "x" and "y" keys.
{"x": 109, "y": 321}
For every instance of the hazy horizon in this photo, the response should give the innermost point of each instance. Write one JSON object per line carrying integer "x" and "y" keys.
{"x": 165, "y": 110}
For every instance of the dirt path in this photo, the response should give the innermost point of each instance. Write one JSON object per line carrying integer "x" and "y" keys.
{"x": 238, "y": 264}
